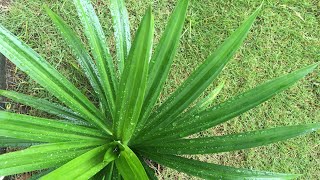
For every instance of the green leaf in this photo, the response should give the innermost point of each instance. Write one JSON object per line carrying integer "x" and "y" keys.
{"x": 82, "y": 55}
{"x": 213, "y": 171}
{"x": 121, "y": 31}
{"x": 40, "y": 174}
{"x": 199, "y": 80}
{"x": 43, "y": 73}
{"x": 99, "y": 49}
{"x": 44, "y": 130}
{"x": 162, "y": 59}
{"x": 230, "y": 142}
{"x": 129, "y": 165}
{"x": 231, "y": 108}
{"x": 133, "y": 81}
{"x": 150, "y": 172}
{"x": 205, "y": 102}
{"x": 84, "y": 166}
{"x": 43, "y": 156}
{"x": 12, "y": 142}
{"x": 43, "y": 105}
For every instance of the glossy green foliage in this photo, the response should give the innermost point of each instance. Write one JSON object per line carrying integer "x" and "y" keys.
{"x": 116, "y": 139}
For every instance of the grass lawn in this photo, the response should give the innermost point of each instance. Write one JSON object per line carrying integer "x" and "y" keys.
{"x": 285, "y": 37}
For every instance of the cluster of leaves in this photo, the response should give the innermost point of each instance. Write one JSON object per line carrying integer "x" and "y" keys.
{"x": 113, "y": 140}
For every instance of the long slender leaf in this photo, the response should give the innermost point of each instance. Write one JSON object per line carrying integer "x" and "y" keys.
{"x": 82, "y": 167}
{"x": 133, "y": 81}
{"x": 150, "y": 172}
{"x": 121, "y": 31}
{"x": 203, "y": 103}
{"x": 199, "y": 80}
{"x": 12, "y": 142}
{"x": 129, "y": 165}
{"x": 99, "y": 49}
{"x": 44, "y": 130}
{"x": 230, "y": 142}
{"x": 43, "y": 156}
{"x": 43, "y": 105}
{"x": 40, "y": 174}
{"x": 83, "y": 57}
{"x": 213, "y": 171}
{"x": 233, "y": 107}
{"x": 43, "y": 73}
{"x": 162, "y": 59}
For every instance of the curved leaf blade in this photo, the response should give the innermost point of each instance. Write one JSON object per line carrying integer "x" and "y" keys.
{"x": 82, "y": 167}
{"x": 133, "y": 81}
{"x": 43, "y": 73}
{"x": 121, "y": 28}
{"x": 43, "y": 105}
{"x": 13, "y": 142}
{"x": 162, "y": 59}
{"x": 213, "y": 171}
{"x": 199, "y": 80}
{"x": 99, "y": 49}
{"x": 44, "y": 130}
{"x": 84, "y": 59}
{"x": 232, "y": 142}
{"x": 233, "y": 107}
{"x": 129, "y": 165}
{"x": 43, "y": 156}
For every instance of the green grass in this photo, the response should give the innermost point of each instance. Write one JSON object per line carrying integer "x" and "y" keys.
{"x": 285, "y": 37}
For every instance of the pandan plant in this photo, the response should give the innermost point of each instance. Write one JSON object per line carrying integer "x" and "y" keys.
{"x": 115, "y": 138}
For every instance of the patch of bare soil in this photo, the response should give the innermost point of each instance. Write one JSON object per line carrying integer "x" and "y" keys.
{"x": 4, "y": 5}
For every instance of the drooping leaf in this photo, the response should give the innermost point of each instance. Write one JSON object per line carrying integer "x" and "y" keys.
{"x": 43, "y": 105}
{"x": 199, "y": 80}
{"x": 121, "y": 31}
{"x": 99, "y": 50}
{"x": 43, "y": 73}
{"x": 162, "y": 59}
{"x": 43, "y": 156}
{"x": 232, "y": 107}
{"x": 232, "y": 142}
{"x": 214, "y": 171}
{"x": 133, "y": 81}
{"x": 12, "y": 142}
{"x": 82, "y": 167}
{"x": 44, "y": 130}
{"x": 84, "y": 59}
{"x": 129, "y": 165}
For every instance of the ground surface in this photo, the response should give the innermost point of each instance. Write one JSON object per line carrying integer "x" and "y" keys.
{"x": 285, "y": 37}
